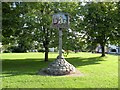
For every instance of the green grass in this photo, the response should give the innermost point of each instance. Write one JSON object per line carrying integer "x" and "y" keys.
{"x": 19, "y": 71}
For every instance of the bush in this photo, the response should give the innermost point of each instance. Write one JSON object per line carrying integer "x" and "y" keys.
{"x": 6, "y": 51}
{"x": 17, "y": 49}
{"x": 41, "y": 50}
{"x": 55, "y": 50}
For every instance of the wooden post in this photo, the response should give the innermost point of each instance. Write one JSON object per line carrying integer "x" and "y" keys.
{"x": 60, "y": 43}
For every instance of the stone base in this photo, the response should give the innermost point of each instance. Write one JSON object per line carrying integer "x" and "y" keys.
{"x": 59, "y": 67}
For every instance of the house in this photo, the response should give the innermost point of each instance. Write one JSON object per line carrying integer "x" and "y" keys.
{"x": 99, "y": 50}
{"x": 114, "y": 49}
{"x": 111, "y": 49}
{"x": 52, "y": 49}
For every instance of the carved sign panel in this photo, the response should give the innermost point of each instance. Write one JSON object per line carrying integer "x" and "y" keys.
{"x": 60, "y": 20}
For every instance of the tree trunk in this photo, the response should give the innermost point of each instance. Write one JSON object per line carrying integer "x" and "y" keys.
{"x": 46, "y": 43}
{"x": 46, "y": 53}
{"x": 103, "y": 50}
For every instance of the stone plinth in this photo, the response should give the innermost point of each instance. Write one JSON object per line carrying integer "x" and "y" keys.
{"x": 59, "y": 67}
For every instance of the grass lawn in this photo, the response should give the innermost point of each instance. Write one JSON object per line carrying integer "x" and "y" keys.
{"x": 19, "y": 71}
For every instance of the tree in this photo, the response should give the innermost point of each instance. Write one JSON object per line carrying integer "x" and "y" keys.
{"x": 32, "y": 23}
{"x": 117, "y": 19}
{"x": 41, "y": 22}
{"x": 99, "y": 23}
{"x": 13, "y": 25}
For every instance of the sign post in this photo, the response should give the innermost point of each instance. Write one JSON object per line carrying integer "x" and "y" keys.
{"x": 60, "y": 66}
{"x": 60, "y": 43}
{"x": 60, "y": 21}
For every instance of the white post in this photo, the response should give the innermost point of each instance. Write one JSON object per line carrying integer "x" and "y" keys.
{"x": 60, "y": 43}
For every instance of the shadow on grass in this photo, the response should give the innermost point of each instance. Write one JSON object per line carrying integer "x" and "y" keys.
{"x": 78, "y": 61}
{"x": 32, "y": 66}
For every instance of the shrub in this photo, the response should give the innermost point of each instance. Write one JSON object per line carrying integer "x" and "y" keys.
{"x": 41, "y": 50}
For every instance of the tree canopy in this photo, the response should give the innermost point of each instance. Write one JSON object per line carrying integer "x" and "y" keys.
{"x": 25, "y": 23}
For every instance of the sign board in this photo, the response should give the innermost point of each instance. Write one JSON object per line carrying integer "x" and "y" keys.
{"x": 60, "y": 20}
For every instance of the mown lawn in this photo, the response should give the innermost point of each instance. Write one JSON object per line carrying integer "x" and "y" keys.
{"x": 19, "y": 71}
